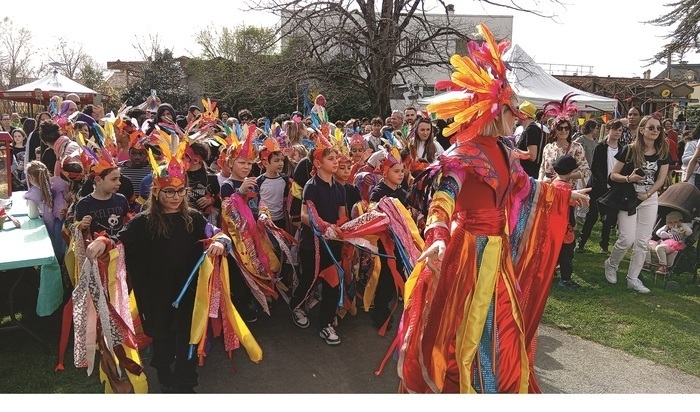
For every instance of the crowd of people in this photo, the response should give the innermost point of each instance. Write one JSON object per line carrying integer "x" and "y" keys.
{"x": 223, "y": 214}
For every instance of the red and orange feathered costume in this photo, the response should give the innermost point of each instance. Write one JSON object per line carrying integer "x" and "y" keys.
{"x": 469, "y": 326}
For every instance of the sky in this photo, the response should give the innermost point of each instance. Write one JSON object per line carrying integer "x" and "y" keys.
{"x": 607, "y": 34}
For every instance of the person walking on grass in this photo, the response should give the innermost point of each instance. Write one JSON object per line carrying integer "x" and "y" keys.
{"x": 644, "y": 164}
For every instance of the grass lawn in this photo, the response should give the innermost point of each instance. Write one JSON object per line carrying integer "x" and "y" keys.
{"x": 661, "y": 326}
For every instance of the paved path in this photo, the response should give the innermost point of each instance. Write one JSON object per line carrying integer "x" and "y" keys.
{"x": 299, "y": 361}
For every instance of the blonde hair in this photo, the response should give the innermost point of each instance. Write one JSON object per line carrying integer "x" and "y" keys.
{"x": 637, "y": 147}
{"x": 41, "y": 176}
{"x": 294, "y": 131}
{"x": 499, "y": 126}
{"x": 157, "y": 222}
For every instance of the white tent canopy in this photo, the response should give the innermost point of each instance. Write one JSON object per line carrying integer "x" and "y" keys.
{"x": 530, "y": 82}
{"x": 42, "y": 89}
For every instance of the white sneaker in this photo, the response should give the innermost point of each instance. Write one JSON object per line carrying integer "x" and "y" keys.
{"x": 610, "y": 272}
{"x": 299, "y": 318}
{"x": 636, "y": 284}
{"x": 328, "y": 333}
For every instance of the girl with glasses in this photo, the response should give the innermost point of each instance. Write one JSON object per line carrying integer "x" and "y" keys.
{"x": 162, "y": 245}
{"x": 644, "y": 164}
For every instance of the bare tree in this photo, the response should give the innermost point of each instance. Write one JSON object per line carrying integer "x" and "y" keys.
{"x": 148, "y": 48}
{"x": 383, "y": 39}
{"x": 16, "y": 52}
{"x": 72, "y": 57}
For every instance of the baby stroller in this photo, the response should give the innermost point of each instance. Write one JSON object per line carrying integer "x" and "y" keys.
{"x": 684, "y": 198}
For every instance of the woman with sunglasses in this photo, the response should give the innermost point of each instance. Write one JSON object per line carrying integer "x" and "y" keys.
{"x": 560, "y": 144}
{"x": 644, "y": 163}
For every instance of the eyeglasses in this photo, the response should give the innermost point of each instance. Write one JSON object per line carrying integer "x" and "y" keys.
{"x": 652, "y": 128}
{"x": 562, "y": 128}
{"x": 169, "y": 193}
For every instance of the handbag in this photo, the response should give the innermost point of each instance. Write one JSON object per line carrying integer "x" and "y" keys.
{"x": 621, "y": 196}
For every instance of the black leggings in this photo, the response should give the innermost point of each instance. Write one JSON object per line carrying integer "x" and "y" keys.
{"x": 175, "y": 347}
{"x": 608, "y": 218}
{"x": 330, "y": 295}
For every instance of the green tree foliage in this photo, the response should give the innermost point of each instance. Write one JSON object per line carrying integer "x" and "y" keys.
{"x": 684, "y": 17}
{"x": 165, "y": 74}
{"x": 239, "y": 69}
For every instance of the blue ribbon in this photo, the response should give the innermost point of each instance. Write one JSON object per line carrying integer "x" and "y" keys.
{"x": 341, "y": 273}
{"x": 189, "y": 280}
{"x": 402, "y": 253}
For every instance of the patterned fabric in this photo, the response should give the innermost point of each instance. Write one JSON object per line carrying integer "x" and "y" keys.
{"x": 471, "y": 327}
{"x": 552, "y": 152}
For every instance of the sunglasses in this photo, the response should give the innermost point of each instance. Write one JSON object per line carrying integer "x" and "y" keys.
{"x": 562, "y": 128}
{"x": 657, "y": 128}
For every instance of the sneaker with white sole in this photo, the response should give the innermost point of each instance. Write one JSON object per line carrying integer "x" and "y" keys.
{"x": 610, "y": 272}
{"x": 636, "y": 284}
{"x": 328, "y": 333}
{"x": 299, "y": 318}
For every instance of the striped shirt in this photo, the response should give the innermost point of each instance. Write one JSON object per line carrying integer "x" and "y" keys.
{"x": 136, "y": 175}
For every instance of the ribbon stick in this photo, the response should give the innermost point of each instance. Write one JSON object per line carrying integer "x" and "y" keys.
{"x": 341, "y": 273}
{"x": 189, "y": 280}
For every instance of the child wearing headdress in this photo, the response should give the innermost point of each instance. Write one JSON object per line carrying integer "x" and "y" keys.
{"x": 390, "y": 273}
{"x": 255, "y": 264}
{"x": 162, "y": 245}
{"x": 318, "y": 258}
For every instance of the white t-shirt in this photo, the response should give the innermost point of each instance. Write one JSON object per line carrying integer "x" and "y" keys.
{"x": 611, "y": 158}
{"x": 420, "y": 149}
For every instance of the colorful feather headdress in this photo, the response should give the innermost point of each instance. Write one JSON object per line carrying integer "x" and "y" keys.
{"x": 173, "y": 170}
{"x": 341, "y": 146}
{"x": 478, "y": 89}
{"x": 270, "y": 145}
{"x": 322, "y": 144}
{"x": 94, "y": 160}
{"x": 392, "y": 157}
{"x": 563, "y": 110}
{"x": 242, "y": 142}
{"x": 209, "y": 118}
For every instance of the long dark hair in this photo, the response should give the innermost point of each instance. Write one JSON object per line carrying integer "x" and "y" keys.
{"x": 429, "y": 151}
{"x": 157, "y": 222}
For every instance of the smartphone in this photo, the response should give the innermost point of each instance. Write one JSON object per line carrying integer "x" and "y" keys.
{"x": 153, "y": 93}
{"x": 97, "y": 100}
{"x": 640, "y": 172}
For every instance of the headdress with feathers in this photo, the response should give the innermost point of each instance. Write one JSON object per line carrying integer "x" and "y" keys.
{"x": 478, "y": 89}
{"x": 173, "y": 171}
{"x": 562, "y": 110}
{"x": 94, "y": 160}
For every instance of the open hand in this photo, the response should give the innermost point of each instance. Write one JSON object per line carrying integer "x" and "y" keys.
{"x": 579, "y": 197}
{"x": 433, "y": 255}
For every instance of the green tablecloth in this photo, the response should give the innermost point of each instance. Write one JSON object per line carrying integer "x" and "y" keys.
{"x": 30, "y": 246}
{"x": 19, "y": 204}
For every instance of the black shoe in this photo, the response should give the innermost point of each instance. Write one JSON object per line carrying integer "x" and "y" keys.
{"x": 249, "y": 313}
{"x": 603, "y": 250}
{"x": 569, "y": 284}
{"x": 580, "y": 249}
